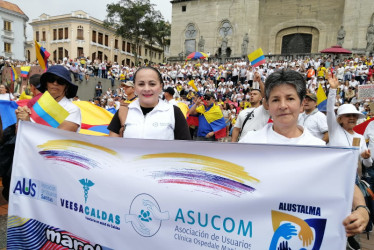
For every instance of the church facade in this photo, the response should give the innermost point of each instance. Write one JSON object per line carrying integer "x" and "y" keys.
{"x": 234, "y": 28}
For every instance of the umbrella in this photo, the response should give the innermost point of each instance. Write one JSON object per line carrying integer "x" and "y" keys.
{"x": 336, "y": 50}
{"x": 197, "y": 55}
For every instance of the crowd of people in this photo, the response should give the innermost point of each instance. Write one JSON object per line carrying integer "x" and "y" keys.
{"x": 275, "y": 102}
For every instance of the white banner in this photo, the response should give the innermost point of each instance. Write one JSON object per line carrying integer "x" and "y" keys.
{"x": 366, "y": 92}
{"x": 84, "y": 192}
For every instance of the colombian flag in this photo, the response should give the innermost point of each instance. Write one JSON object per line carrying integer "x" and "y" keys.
{"x": 25, "y": 71}
{"x": 95, "y": 119}
{"x": 13, "y": 74}
{"x": 257, "y": 58}
{"x": 48, "y": 112}
{"x": 42, "y": 55}
{"x": 215, "y": 120}
{"x": 321, "y": 99}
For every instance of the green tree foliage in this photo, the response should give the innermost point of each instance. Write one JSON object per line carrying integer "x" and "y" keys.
{"x": 136, "y": 20}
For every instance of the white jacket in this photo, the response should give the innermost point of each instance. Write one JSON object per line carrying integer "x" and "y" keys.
{"x": 157, "y": 124}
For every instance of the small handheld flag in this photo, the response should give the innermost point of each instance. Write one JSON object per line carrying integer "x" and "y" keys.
{"x": 42, "y": 55}
{"x": 13, "y": 74}
{"x": 48, "y": 112}
{"x": 257, "y": 58}
{"x": 321, "y": 99}
{"x": 25, "y": 71}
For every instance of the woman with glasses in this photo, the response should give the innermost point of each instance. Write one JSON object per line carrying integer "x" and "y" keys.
{"x": 57, "y": 82}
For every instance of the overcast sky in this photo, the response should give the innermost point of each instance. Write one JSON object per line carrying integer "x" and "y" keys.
{"x": 95, "y": 8}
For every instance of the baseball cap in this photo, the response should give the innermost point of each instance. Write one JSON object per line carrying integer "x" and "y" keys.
{"x": 128, "y": 84}
{"x": 312, "y": 96}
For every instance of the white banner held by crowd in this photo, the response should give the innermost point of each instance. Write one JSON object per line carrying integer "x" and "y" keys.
{"x": 366, "y": 92}
{"x": 85, "y": 192}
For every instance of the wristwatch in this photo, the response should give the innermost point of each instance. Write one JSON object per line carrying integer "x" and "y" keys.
{"x": 365, "y": 207}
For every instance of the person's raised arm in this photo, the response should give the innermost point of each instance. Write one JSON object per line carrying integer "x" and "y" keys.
{"x": 331, "y": 118}
{"x": 257, "y": 78}
{"x": 192, "y": 110}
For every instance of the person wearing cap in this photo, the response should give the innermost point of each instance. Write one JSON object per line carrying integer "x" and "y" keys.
{"x": 36, "y": 89}
{"x": 312, "y": 119}
{"x": 129, "y": 90}
{"x": 57, "y": 81}
{"x": 341, "y": 133}
{"x": 169, "y": 96}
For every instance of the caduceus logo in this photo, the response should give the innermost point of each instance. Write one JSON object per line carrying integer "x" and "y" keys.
{"x": 86, "y": 186}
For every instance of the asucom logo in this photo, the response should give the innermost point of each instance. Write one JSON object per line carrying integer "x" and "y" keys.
{"x": 145, "y": 215}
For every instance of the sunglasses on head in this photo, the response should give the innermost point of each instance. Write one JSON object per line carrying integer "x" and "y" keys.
{"x": 59, "y": 80}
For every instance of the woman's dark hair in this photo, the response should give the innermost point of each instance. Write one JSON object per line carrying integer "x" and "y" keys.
{"x": 6, "y": 87}
{"x": 284, "y": 76}
{"x": 151, "y": 68}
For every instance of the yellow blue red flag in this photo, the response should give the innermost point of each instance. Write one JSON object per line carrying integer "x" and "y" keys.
{"x": 13, "y": 74}
{"x": 42, "y": 55}
{"x": 213, "y": 119}
{"x": 95, "y": 119}
{"x": 321, "y": 99}
{"x": 257, "y": 58}
{"x": 48, "y": 112}
{"x": 25, "y": 71}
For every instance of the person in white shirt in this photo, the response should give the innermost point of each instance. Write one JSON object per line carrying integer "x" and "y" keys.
{"x": 5, "y": 93}
{"x": 169, "y": 96}
{"x": 284, "y": 92}
{"x": 341, "y": 133}
{"x": 253, "y": 118}
{"x": 312, "y": 119}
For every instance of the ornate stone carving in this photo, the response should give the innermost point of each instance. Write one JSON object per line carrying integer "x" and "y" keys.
{"x": 340, "y": 37}
{"x": 201, "y": 44}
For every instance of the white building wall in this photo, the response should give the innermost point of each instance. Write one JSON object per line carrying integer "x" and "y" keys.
{"x": 16, "y": 37}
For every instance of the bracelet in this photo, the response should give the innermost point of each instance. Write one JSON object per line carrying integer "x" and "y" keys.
{"x": 365, "y": 207}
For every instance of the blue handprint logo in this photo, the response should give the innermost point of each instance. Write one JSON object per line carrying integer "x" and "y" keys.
{"x": 285, "y": 231}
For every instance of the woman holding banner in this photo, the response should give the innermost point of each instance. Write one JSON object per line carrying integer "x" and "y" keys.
{"x": 284, "y": 93}
{"x": 341, "y": 133}
{"x": 149, "y": 117}
{"x": 57, "y": 82}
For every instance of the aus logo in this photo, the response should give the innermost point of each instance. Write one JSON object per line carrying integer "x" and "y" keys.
{"x": 291, "y": 232}
{"x": 145, "y": 215}
{"x": 25, "y": 186}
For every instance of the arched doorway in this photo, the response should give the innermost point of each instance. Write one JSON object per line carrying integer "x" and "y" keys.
{"x": 294, "y": 40}
{"x": 297, "y": 43}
